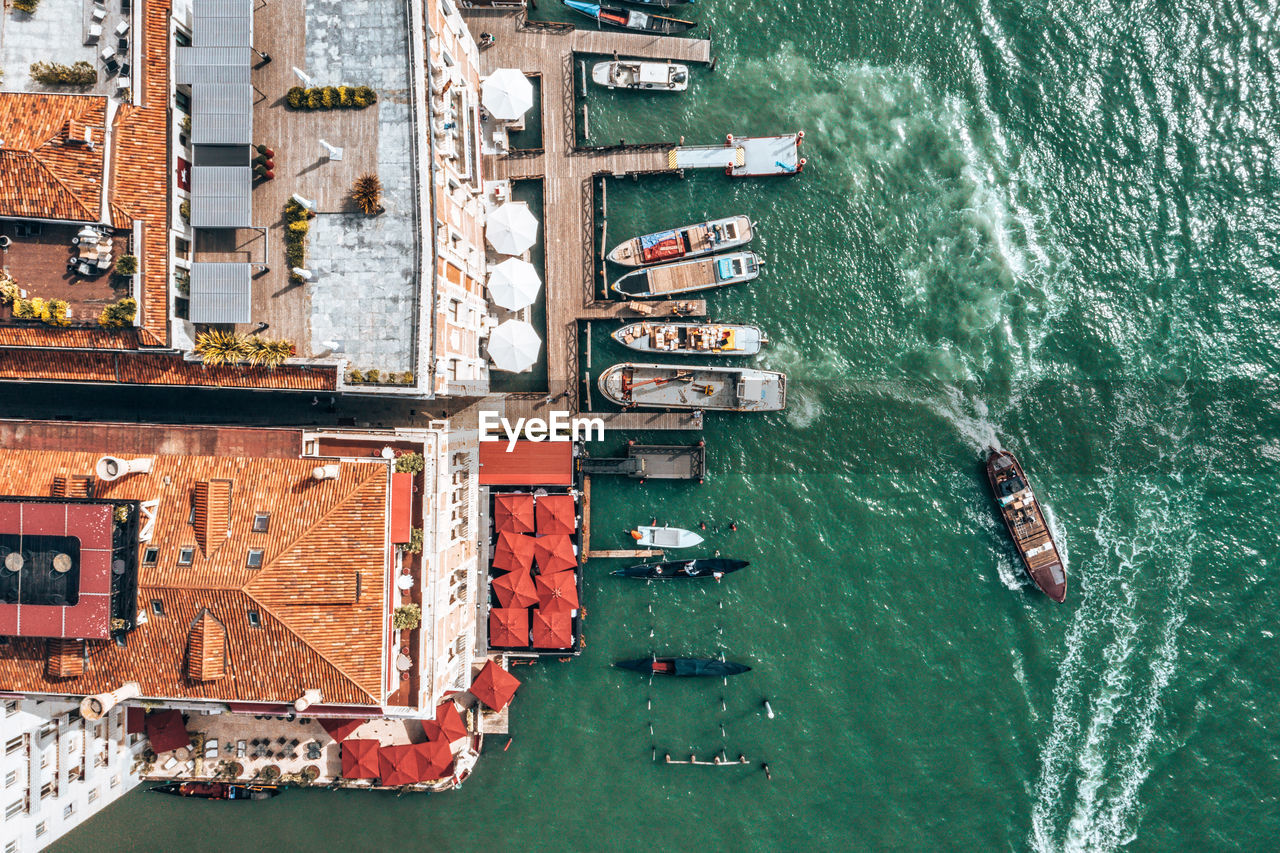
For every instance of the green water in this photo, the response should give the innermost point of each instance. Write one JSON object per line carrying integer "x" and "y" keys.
{"x": 1051, "y": 226}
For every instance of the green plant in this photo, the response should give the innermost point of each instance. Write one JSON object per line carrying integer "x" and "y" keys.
{"x": 119, "y": 314}
{"x": 330, "y": 97}
{"x": 355, "y": 377}
{"x": 28, "y": 6}
{"x": 218, "y": 347}
{"x": 184, "y": 210}
{"x": 299, "y": 228}
{"x": 414, "y": 545}
{"x": 367, "y": 194}
{"x": 182, "y": 281}
{"x": 9, "y": 291}
{"x": 269, "y": 352}
{"x": 373, "y": 376}
{"x": 409, "y": 463}
{"x": 295, "y": 237}
{"x": 346, "y": 97}
{"x": 406, "y": 617}
{"x": 367, "y": 95}
{"x": 296, "y": 98}
{"x": 186, "y": 124}
{"x": 53, "y": 73}
{"x": 127, "y": 265}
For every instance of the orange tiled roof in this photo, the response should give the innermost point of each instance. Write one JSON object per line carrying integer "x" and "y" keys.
{"x": 47, "y": 170}
{"x": 73, "y": 337}
{"x": 319, "y": 598}
{"x": 65, "y": 657}
{"x": 207, "y": 648}
{"x": 157, "y": 368}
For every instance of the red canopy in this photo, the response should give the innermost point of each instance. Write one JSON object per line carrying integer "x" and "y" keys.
{"x": 339, "y": 728}
{"x": 516, "y": 589}
{"x": 557, "y": 514}
{"x": 360, "y": 759}
{"x": 552, "y": 629}
{"x": 513, "y": 551}
{"x": 494, "y": 686}
{"x": 166, "y": 730}
{"x": 558, "y": 591}
{"x": 555, "y": 553}
{"x": 509, "y": 627}
{"x": 513, "y": 513}
{"x": 411, "y": 763}
{"x": 436, "y": 757}
{"x": 450, "y": 721}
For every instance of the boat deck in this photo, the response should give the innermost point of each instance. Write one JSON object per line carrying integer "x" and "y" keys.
{"x": 679, "y": 278}
{"x": 768, "y": 155}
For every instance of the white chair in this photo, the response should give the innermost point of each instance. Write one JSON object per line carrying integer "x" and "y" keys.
{"x": 108, "y": 54}
{"x": 211, "y": 748}
{"x": 95, "y": 33}
{"x": 169, "y": 762}
{"x": 99, "y": 14}
{"x": 122, "y": 28}
{"x": 104, "y": 261}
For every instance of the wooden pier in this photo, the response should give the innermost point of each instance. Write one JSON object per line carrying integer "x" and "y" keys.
{"x": 587, "y": 553}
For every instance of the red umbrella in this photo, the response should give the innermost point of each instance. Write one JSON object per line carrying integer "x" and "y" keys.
{"x": 509, "y": 627}
{"x": 557, "y": 514}
{"x": 401, "y": 765}
{"x": 450, "y": 721}
{"x": 516, "y": 589}
{"x": 436, "y": 758}
{"x": 339, "y": 728}
{"x": 431, "y": 729}
{"x": 552, "y": 629}
{"x": 494, "y": 686}
{"x": 513, "y": 551}
{"x": 513, "y": 513}
{"x": 558, "y": 591}
{"x": 360, "y": 759}
{"x": 166, "y": 730}
{"x": 555, "y": 553}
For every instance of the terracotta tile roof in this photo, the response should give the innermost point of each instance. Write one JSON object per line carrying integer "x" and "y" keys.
{"x": 157, "y": 368}
{"x": 47, "y": 170}
{"x": 75, "y": 338}
{"x": 320, "y": 597}
{"x": 65, "y": 657}
{"x": 213, "y": 513}
{"x": 206, "y": 648}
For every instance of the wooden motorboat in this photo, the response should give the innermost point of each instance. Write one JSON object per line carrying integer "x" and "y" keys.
{"x": 1026, "y": 524}
{"x": 691, "y": 338}
{"x": 665, "y": 537}
{"x": 687, "y": 241}
{"x": 670, "y": 386}
{"x": 641, "y": 76}
{"x": 630, "y": 19}
{"x": 218, "y": 790}
{"x": 684, "y": 667}
{"x": 714, "y": 567}
{"x": 690, "y": 275}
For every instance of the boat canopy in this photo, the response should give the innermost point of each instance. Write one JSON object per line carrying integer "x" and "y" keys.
{"x": 653, "y": 72}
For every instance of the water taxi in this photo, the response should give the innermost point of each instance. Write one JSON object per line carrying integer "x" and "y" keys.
{"x": 644, "y": 76}
{"x": 1025, "y": 522}
{"x": 687, "y": 276}
{"x": 688, "y": 241}
{"x": 691, "y": 338}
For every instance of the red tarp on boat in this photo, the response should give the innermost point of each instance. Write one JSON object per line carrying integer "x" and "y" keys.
{"x": 516, "y": 589}
{"x": 552, "y": 629}
{"x": 530, "y": 463}
{"x": 554, "y": 553}
{"x": 558, "y": 591}
{"x": 557, "y": 514}
{"x": 166, "y": 730}
{"x": 450, "y": 721}
{"x": 494, "y": 686}
{"x": 339, "y": 728}
{"x": 360, "y": 759}
{"x": 513, "y": 513}
{"x": 509, "y": 627}
{"x": 513, "y": 551}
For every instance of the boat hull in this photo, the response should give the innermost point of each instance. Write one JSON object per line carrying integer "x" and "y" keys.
{"x": 666, "y": 537}
{"x": 685, "y": 242}
{"x": 1026, "y": 524}
{"x": 689, "y": 275}
{"x": 631, "y": 19}
{"x": 719, "y": 339}
{"x": 217, "y": 790}
{"x": 684, "y": 667}
{"x": 641, "y": 76}
{"x": 682, "y": 570}
{"x": 671, "y": 386}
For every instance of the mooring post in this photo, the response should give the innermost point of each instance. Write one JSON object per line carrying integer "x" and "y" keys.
{"x": 586, "y": 380}
{"x": 586, "y": 123}
{"x": 588, "y": 345}
{"x": 582, "y": 63}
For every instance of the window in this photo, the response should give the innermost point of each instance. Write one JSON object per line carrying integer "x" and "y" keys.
{"x": 46, "y": 790}
{"x": 13, "y": 744}
{"x": 11, "y": 847}
{"x": 255, "y": 558}
{"x": 115, "y": 781}
{"x": 191, "y": 517}
{"x": 157, "y": 607}
{"x": 261, "y": 522}
{"x": 49, "y": 729}
{"x": 11, "y": 778}
{"x": 68, "y": 811}
{"x": 186, "y": 556}
{"x": 150, "y": 556}
{"x": 41, "y": 828}
{"x": 254, "y": 619}
{"x": 181, "y": 38}
{"x": 11, "y": 707}
{"x": 93, "y": 795}
{"x": 182, "y": 101}
{"x": 13, "y": 810}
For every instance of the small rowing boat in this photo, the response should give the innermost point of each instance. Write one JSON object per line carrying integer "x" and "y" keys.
{"x": 643, "y": 76}
{"x": 665, "y": 537}
{"x": 1025, "y": 522}
{"x": 684, "y": 667}
{"x": 670, "y": 386}
{"x": 687, "y": 241}
{"x": 691, "y": 338}
{"x": 217, "y": 790}
{"x": 690, "y": 275}
{"x": 630, "y": 19}
{"x": 714, "y": 567}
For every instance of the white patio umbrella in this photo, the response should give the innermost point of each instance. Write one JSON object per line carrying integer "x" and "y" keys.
{"x": 514, "y": 346}
{"x": 506, "y": 93}
{"x": 513, "y": 284}
{"x": 511, "y": 229}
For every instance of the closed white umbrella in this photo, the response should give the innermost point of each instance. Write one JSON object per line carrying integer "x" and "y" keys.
{"x": 514, "y": 284}
{"x": 506, "y": 93}
{"x": 514, "y": 346}
{"x": 512, "y": 228}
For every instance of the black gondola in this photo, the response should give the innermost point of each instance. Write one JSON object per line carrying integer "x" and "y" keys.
{"x": 684, "y": 667}
{"x": 714, "y": 567}
{"x": 217, "y": 790}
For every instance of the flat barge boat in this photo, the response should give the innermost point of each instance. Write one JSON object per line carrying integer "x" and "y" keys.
{"x": 1026, "y": 524}
{"x": 217, "y": 790}
{"x": 691, "y": 338}
{"x": 641, "y": 76}
{"x": 669, "y": 386}
{"x": 630, "y": 19}
{"x": 690, "y": 275}
{"x": 688, "y": 241}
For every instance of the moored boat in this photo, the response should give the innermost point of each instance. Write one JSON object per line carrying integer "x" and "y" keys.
{"x": 670, "y": 386}
{"x": 1026, "y": 524}
{"x": 691, "y": 338}
{"x": 690, "y": 275}
{"x": 641, "y": 75}
{"x": 665, "y": 537}
{"x": 714, "y": 567}
{"x": 684, "y": 667}
{"x": 687, "y": 241}
{"x": 217, "y": 790}
{"x": 630, "y": 19}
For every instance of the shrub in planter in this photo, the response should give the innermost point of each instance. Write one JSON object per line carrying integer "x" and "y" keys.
{"x": 355, "y": 377}
{"x": 54, "y": 73}
{"x": 315, "y": 99}
{"x": 9, "y": 291}
{"x": 329, "y": 97}
{"x": 299, "y": 228}
{"x": 406, "y": 378}
{"x": 365, "y": 96}
{"x": 296, "y": 98}
{"x": 218, "y": 347}
{"x": 409, "y": 463}
{"x": 119, "y": 314}
{"x": 269, "y": 352}
{"x": 28, "y": 6}
{"x": 406, "y": 617}
{"x": 346, "y": 97}
{"x": 184, "y": 210}
{"x": 126, "y": 265}
{"x": 414, "y": 545}
{"x": 374, "y": 376}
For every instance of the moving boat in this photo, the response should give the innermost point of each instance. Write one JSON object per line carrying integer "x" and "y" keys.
{"x": 630, "y": 19}
{"x": 218, "y": 790}
{"x": 692, "y": 338}
{"x": 713, "y": 567}
{"x": 688, "y": 241}
{"x": 665, "y": 537}
{"x": 646, "y": 76}
{"x": 670, "y": 386}
{"x": 1026, "y": 524}
{"x": 685, "y": 667}
{"x": 690, "y": 275}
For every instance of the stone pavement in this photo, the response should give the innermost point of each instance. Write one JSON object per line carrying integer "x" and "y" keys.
{"x": 55, "y": 33}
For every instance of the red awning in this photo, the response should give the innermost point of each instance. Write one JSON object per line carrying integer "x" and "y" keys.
{"x": 558, "y": 591}
{"x": 557, "y": 514}
{"x": 509, "y": 627}
{"x": 360, "y": 759}
{"x": 554, "y": 553}
{"x": 494, "y": 686}
{"x": 516, "y": 589}
{"x": 411, "y": 763}
{"x": 450, "y": 721}
{"x": 530, "y": 463}
{"x": 401, "y": 508}
{"x": 135, "y": 720}
{"x": 166, "y": 730}
{"x": 436, "y": 757}
{"x": 513, "y": 513}
{"x": 513, "y": 551}
{"x": 552, "y": 629}
{"x": 339, "y": 728}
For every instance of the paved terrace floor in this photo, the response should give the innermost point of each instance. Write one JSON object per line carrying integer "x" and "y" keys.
{"x": 568, "y": 175}
{"x": 57, "y": 33}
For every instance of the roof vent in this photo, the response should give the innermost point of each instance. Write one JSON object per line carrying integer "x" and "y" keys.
{"x": 326, "y": 472}
{"x": 307, "y": 699}
{"x": 113, "y": 468}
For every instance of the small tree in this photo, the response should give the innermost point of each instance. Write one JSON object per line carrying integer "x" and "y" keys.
{"x": 406, "y": 617}
{"x": 127, "y": 265}
{"x": 269, "y": 352}
{"x": 367, "y": 194}
{"x": 409, "y": 463}
{"x": 119, "y": 314}
{"x": 218, "y": 347}
{"x": 414, "y": 545}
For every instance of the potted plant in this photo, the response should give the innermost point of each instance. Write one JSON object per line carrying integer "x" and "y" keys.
{"x": 406, "y": 617}
{"x": 367, "y": 194}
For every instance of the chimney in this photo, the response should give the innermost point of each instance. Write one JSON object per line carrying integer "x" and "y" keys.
{"x": 326, "y": 472}
{"x": 96, "y": 707}
{"x": 113, "y": 468}
{"x": 307, "y": 699}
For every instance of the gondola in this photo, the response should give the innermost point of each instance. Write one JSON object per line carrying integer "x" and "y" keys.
{"x": 217, "y": 790}
{"x": 630, "y": 19}
{"x": 684, "y": 667}
{"x": 683, "y": 569}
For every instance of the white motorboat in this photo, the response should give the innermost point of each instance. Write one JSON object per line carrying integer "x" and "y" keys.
{"x": 687, "y": 241}
{"x": 665, "y": 537}
{"x": 691, "y": 338}
{"x": 646, "y": 76}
